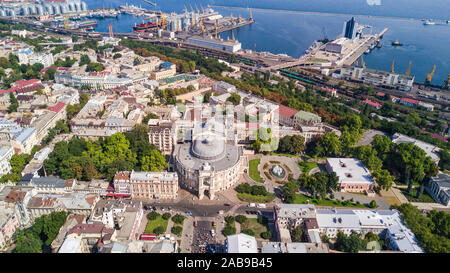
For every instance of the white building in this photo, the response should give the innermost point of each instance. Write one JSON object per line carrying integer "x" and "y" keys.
{"x": 43, "y": 58}
{"x": 6, "y": 152}
{"x": 241, "y": 243}
{"x": 378, "y": 78}
{"x": 439, "y": 188}
{"x": 353, "y": 175}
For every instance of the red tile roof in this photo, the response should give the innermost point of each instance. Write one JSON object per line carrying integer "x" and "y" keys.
{"x": 24, "y": 83}
{"x": 287, "y": 111}
{"x": 381, "y": 94}
{"x": 372, "y": 103}
{"x": 410, "y": 100}
{"x": 57, "y": 107}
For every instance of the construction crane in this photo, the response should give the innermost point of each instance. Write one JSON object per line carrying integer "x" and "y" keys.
{"x": 430, "y": 75}
{"x": 203, "y": 11}
{"x": 393, "y": 63}
{"x": 185, "y": 9}
{"x": 251, "y": 16}
{"x": 232, "y": 34}
{"x": 232, "y": 19}
{"x": 408, "y": 70}
{"x": 66, "y": 21}
{"x": 202, "y": 26}
{"x": 111, "y": 33}
{"x": 198, "y": 12}
{"x": 215, "y": 27}
{"x": 363, "y": 64}
{"x": 192, "y": 8}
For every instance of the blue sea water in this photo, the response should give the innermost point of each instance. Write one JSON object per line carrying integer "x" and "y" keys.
{"x": 292, "y": 32}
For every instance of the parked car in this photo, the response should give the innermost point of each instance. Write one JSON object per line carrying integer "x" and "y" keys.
{"x": 251, "y": 205}
{"x": 226, "y": 205}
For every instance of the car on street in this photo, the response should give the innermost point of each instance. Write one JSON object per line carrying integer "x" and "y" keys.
{"x": 251, "y": 205}
{"x": 214, "y": 224}
{"x": 226, "y": 205}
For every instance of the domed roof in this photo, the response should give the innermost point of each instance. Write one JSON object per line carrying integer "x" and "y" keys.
{"x": 208, "y": 147}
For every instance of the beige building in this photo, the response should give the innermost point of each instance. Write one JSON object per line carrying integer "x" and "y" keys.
{"x": 148, "y": 185}
{"x": 166, "y": 70}
{"x": 160, "y": 134}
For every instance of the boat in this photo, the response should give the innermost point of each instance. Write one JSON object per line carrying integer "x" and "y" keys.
{"x": 397, "y": 43}
{"x": 146, "y": 26}
{"x": 88, "y": 23}
{"x": 429, "y": 22}
{"x": 379, "y": 44}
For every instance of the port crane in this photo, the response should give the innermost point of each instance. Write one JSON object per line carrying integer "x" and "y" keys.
{"x": 430, "y": 75}
{"x": 203, "y": 11}
{"x": 198, "y": 12}
{"x": 408, "y": 70}
{"x": 149, "y": 2}
{"x": 215, "y": 27}
{"x": 66, "y": 21}
{"x": 393, "y": 63}
{"x": 111, "y": 33}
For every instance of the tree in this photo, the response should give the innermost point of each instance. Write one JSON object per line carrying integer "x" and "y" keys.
{"x": 27, "y": 242}
{"x": 370, "y": 237}
{"x": 229, "y": 230}
{"x": 229, "y": 220}
{"x": 166, "y": 216}
{"x": 352, "y": 243}
{"x": 368, "y": 157}
{"x": 241, "y": 219}
{"x": 297, "y": 234}
{"x": 292, "y": 144}
{"x": 383, "y": 146}
{"x": 248, "y": 232}
{"x": 288, "y": 192}
{"x": 328, "y": 145}
{"x": 430, "y": 170}
{"x": 95, "y": 67}
{"x": 207, "y": 97}
{"x": 159, "y": 230}
{"x": 266, "y": 235}
{"x": 373, "y": 204}
{"x": 384, "y": 179}
{"x": 177, "y": 230}
{"x": 441, "y": 221}
{"x": 84, "y": 59}
{"x": 62, "y": 127}
{"x": 152, "y": 215}
{"x": 235, "y": 99}
{"x": 178, "y": 219}
{"x": 117, "y": 56}
{"x": 14, "y": 103}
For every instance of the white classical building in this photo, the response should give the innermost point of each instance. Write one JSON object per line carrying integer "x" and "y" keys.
{"x": 208, "y": 164}
{"x": 353, "y": 175}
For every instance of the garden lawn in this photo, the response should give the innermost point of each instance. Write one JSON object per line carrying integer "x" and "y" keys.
{"x": 252, "y": 223}
{"x": 306, "y": 167}
{"x": 425, "y": 198}
{"x": 253, "y": 170}
{"x": 256, "y": 198}
{"x": 302, "y": 199}
{"x": 152, "y": 224}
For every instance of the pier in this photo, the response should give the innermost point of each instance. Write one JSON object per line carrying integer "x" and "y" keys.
{"x": 227, "y": 28}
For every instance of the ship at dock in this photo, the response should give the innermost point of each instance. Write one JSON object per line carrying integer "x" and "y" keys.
{"x": 429, "y": 22}
{"x": 87, "y": 24}
{"x": 148, "y": 26}
{"x": 397, "y": 43}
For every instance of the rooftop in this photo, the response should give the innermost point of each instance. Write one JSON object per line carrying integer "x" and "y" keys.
{"x": 350, "y": 170}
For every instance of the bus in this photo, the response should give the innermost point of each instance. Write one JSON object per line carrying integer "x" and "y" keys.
{"x": 148, "y": 236}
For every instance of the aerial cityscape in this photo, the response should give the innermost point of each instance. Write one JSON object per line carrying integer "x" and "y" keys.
{"x": 217, "y": 126}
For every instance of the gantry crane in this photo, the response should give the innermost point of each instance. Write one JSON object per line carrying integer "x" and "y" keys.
{"x": 66, "y": 21}
{"x": 111, "y": 33}
{"x": 203, "y": 11}
{"x": 198, "y": 12}
{"x": 215, "y": 27}
{"x": 408, "y": 70}
{"x": 393, "y": 63}
{"x": 430, "y": 75}
{"x": 363, "y": 64}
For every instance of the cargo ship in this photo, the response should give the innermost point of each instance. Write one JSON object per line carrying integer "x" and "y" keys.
{"x": 146, "y": 26}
